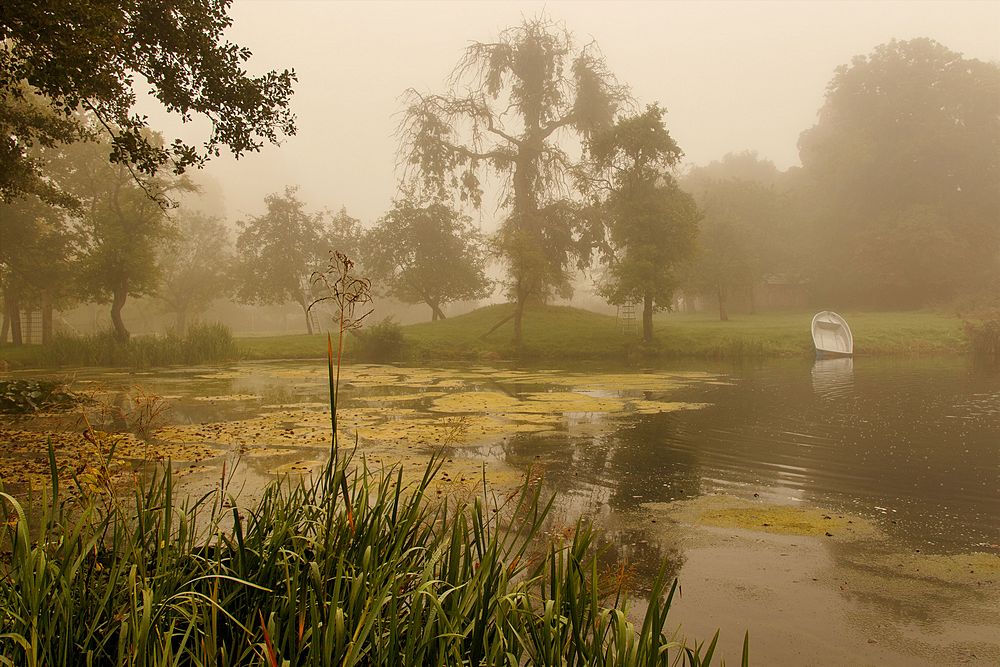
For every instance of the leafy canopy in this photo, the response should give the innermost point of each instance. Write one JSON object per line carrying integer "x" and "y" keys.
{"x": 648, "y": 224}
{"x": 428, "y": 253}
{"x": 278, "y": 251}
{"x": 513, "y": 105}
{"x": 91, "y": 54}
{"x": 903, "y": 163}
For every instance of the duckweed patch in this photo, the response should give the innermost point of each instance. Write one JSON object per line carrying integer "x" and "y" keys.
{"x": 229, "y": 397}
{"x": 732, "y": 512}
{"x": 24, "y": 460}
{"x": 976, "y": 568}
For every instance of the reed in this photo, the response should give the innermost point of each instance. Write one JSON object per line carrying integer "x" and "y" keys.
{"x": 202, "y": 343}
{"x": 355, "y": 566}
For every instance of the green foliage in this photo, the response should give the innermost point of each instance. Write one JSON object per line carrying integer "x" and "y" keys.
{"x": 33, "y": 394}
{"x": 744, "y": 237}
{"x": 195, "y": 267}
{"x": 649, "y": 223}
{"x": 427, "y": 254}
{"x": 511, "y": 103}
{"x": 123, "y": 225}
{"x": 350, "y": 568}
{"x": 380, "y": 342}
{"x": 38, "y": 258}
{"x": 278, "y": 252}
{"x": 900, "y": 173}
{"x": 984, "y": 337}
{"x": 201, "y": 344}
{"x": 88, "y": 54}
{"x": 27, "y": 123}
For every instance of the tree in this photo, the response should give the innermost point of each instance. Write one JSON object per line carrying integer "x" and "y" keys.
{"x": 903, "y": 163}
{"x": 194, "y": 267}
{"x": 278, "y": 252}
{"x": 745, "y": 166}
{"x": 37, "y": 259}
{"x": 122, "y": 225}
{"x": 650, "y": 222}
{"x": 511, "y": 104}
{"x": 744, "y": 235}
{"x": 89, "y": 55}
{"x": 28, "y": 126}
{"x": 428, "y": 254}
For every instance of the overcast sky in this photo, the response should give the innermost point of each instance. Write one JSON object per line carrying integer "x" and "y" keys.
{"x": 732, "y": 75}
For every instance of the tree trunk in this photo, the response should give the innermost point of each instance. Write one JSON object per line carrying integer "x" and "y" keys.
{"x": 14, "y": 313}
{"x": 723, "y": 315}
{"x": 498, "y": 325}
{"x": 436, "y": 312}
{"x": 305, "y": 309}
{"x": 119, "y": 295}
{"x": 5, "y": 323}
{"x": 182, "y": 321}
{"x": 518, "y": 316}
{"x": 46, "y": 318}
{"x": 647, "y": 318}
{"x": 753, "y": 301}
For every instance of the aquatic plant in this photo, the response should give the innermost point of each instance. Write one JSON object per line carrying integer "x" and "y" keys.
{"x": 983, "y": 334}
{"x": 353, "y": 567}
{"x": 203, "y": 343}
{"x": 22, "y": 396}
{"x": 380, "y": 342}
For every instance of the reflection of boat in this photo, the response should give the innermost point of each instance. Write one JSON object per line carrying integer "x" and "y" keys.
{"x": 833, "y": 378}
{"x": 831, "y": 335}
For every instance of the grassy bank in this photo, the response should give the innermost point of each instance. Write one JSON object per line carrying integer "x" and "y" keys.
{"x": 201, "y": 344}
{"x": 556, "y": 332}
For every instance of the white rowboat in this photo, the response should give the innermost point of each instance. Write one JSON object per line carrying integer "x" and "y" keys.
{"x": 831, "y": 335}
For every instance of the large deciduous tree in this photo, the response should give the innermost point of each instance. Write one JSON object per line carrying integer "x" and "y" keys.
{"x": 649, "y": 223}
{"x": 511, "y": 105}
{"x": 902, "y": 167}
{"x": 195, "y": 267}
{"x": 95, "y": 55}
{"x": 427, "y": 253}
{"x": 123, "y": 223}
{"x": 744, "y": 235}
{"x": 278, "y": 252}
{"x": 37, "y": 261}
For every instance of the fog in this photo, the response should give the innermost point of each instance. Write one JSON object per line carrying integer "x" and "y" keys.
{"x": 733, "y": 76}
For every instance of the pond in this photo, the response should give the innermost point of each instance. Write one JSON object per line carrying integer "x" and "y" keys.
{"x": 841, "y": 510}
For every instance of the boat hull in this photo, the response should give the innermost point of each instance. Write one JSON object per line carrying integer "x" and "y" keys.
{"x": 831, "y": 335}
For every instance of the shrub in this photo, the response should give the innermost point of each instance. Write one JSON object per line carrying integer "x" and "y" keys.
{"x": 380, "y": 342}
{"x": 984, "y": 336}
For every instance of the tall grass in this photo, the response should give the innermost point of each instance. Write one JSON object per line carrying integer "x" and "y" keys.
{"x": 352, "y": 567}
{"x": 155, "y": 582}
{"x": 984, "y": 337}
{"x": 202, "y": 343}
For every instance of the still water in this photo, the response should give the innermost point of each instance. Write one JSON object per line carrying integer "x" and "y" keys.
{"x": 909, "y": 448}
{"x": 913, "y": 444}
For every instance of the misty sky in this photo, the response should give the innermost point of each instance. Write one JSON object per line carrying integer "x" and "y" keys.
{"x": 732, "y": 75}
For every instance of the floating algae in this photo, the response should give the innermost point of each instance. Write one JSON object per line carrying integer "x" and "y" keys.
{"x": 228, "y": 397}
{"x": 732, "y": 512}
{"x": 976, "y": 568}
{"x": 492, "y": 402}
{"x": 24, "y": 459}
